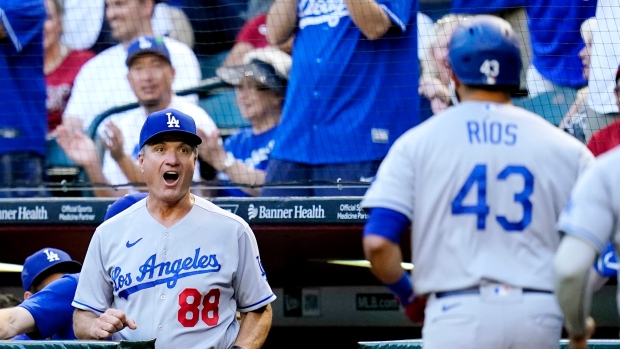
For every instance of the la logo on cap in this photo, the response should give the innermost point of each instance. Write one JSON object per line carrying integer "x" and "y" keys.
{"x": 172, "y": 121}
{"x": 51, "y": 256}
{"x": 144, "y": 43}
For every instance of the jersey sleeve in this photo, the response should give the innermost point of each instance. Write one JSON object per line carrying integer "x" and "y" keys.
{"x": 588, "y": 214}
{"x": 393, "y": 186}
{"x": 607, "y": 263}
{"x": 204, "y": 122}
{"x": 94, "y": 291}
{"x": 22, "y": 20}
{"x": 77, "y": 12}
{"x": 586, "y": 159}
{"x": 51, "y": 307}
{"x": 399, "y": 11}
{"x": 252, "y": 290}
{"x": 79, "y": 101}
{"x": 185, "y": 64}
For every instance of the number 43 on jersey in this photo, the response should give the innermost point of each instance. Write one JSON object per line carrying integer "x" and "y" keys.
{"x": 478, "y": 178}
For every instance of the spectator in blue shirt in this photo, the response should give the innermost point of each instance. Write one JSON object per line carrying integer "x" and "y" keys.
{"x": 22, "y": 96}
{"x": 351, "y": 91}
{"x": 260, "y": 84}
{"x": 556, "y": 42}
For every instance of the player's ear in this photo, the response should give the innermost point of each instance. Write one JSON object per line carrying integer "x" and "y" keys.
{"x": 27, "y": 295}
{"x": 141, "y": 161}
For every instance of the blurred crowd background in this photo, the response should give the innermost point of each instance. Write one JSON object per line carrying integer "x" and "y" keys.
{"x": 291, "y": 98}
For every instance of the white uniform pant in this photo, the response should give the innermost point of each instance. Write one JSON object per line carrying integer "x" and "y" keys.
{"x": 495, "y": 318}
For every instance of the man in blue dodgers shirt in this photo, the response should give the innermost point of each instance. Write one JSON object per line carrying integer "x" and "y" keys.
{"x": 22, "y": 96}
{"x": 50, "y": 279}
{"x": 351, "y": 93}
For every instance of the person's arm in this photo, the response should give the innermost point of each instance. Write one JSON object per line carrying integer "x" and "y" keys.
{"x": 88, "y": 325}
{"x": 254, "y": 328}
{"x": 287, "y": 46}
{"x": 113, "y": 142}
{"x": 573, "y": 264}
{"x": 2, "y": 31}
{"x": 81, "y": 149}
{"x": 369, "y": 17}
{"x": 15, "y": 321}
{"x": 385, "y": 258}
{"x": 213, "y": 152}
{"x": 281, "y": 21}
{"x": 239, "y": 173}
{"x": 574, "y": 109}
{"x": 235, "y": 57}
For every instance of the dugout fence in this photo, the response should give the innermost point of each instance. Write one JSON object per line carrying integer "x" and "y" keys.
{"x": 78, "y": 344}
{"x": 415, "y": 344}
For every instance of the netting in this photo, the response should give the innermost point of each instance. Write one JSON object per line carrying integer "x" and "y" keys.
{"x": 291, "y": 98}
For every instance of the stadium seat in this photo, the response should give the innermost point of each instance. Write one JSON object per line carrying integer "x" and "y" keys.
{"x": 208, "y": 64}
{"x": 551, "y": 105}
{"x": 62, "y": 171}
{"x": 222, "y": 108}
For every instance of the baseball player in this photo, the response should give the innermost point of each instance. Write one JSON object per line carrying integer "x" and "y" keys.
{"x": 589, "y": 220}
{"x": 481, "y": 186}
{"x": 49, "y": 278}
{"x": 173, "y": 266}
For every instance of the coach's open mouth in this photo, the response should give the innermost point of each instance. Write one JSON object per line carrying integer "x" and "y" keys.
{"x": 171, "y": 177}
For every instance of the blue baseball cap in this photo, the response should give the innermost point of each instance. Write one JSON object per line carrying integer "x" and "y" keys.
{"x": 123, "y": 203}
{"x": 169, "y": 121}
{"x": 38, "y": 263}
{"x": 147, "y": 45}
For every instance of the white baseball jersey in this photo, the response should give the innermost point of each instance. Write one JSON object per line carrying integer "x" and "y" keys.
{"x": 182, "y": 284}
{"x": 593, "y": 210}
{"x": 102, "y": 82}
{"x": 483, "y": 185}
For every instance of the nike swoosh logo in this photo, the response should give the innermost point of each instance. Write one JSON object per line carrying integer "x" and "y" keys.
{"x": 130, "y": 244}
{"x": 447, "y": 307}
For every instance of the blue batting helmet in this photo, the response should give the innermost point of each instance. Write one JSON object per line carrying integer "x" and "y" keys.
{"x": 484, "y": 51}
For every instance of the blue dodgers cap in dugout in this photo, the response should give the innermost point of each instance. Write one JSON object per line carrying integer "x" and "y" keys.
{"x": 122, "y": 204}
{"x": 46, "y": 259}
{"x": 147, "y": 45}
{"x": 169, "y": 120}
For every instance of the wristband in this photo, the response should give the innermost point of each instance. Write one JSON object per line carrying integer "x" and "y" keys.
{"x": 403, "y": 289}
{"x": 230, "y": 160}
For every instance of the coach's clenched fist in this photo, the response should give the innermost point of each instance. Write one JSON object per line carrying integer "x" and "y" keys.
{"x": 88, "y": 325}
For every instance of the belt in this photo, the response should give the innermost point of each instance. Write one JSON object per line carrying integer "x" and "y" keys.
{"x": 476, "y": 290}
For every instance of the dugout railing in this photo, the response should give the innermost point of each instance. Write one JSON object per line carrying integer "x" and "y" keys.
{"x": 417, "y": 344}
{"x": 77, "y": 344}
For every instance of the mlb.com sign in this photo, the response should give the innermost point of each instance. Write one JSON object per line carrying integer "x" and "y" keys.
{"x": 295, "y": 212}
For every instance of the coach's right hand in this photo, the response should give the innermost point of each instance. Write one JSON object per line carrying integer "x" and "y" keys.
{"x": 87, "y": 325}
